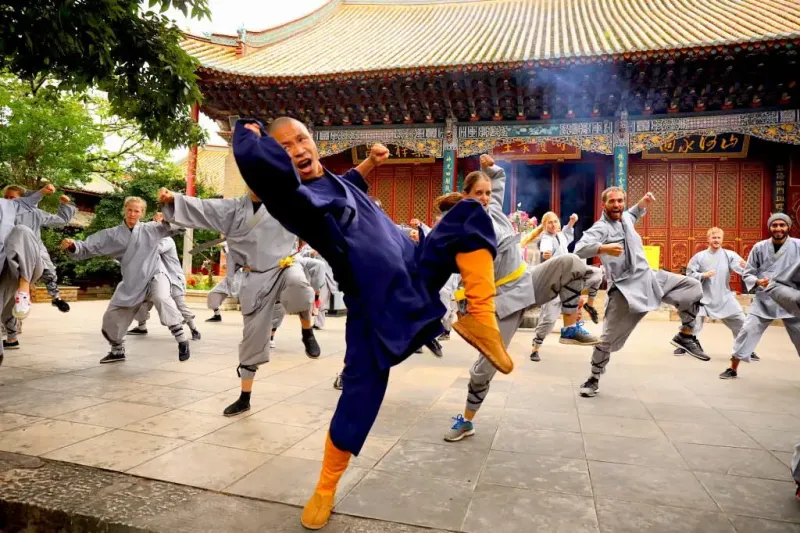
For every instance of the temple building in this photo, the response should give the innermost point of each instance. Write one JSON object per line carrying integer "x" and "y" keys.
{"x": 697, "y": 102}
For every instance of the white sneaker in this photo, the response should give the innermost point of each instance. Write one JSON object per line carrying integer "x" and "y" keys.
{"x": 22, "y": 305}
{"x": 272, "y": 343}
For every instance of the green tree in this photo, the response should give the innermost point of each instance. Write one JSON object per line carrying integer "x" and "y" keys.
{"x": 117, "y": 46}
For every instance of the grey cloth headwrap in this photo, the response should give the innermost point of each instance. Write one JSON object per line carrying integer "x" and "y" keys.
{"x": 780, "y": 216}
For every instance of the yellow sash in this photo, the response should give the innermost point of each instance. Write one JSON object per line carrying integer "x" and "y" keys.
{"x": 461, "y": 294}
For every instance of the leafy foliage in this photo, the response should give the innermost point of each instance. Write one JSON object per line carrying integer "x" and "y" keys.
{"x": 132, "y": 54}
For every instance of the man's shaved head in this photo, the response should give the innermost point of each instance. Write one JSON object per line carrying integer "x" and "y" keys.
{"x": 295, "y": 138}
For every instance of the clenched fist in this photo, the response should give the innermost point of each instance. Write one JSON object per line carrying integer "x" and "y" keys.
{"x": 378, "y": 154}
{"x": 158, "y": 217}
{"x": 67, "y": 244}
{"x": 573, "y": 218}
{"x": 486, "y": 161}
{"x": 64, "y": 199}
{"x": 48, "y": 189}
{"x": 254, "y": 128}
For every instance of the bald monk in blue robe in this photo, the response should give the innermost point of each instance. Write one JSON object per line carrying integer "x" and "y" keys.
{"x": 391, "y": 286}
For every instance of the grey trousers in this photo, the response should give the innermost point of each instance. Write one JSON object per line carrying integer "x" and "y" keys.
{"x": 23, "y": 261}
{"x": 592, "y": 280}
{"x": 50, "y": 280}
{"x": 117, "y": 319}
{"x": 482, "y": 371}
{"x": 561, "y": 277}
{"x": 752, "y": 330}
{"x": 295, "y": 295}
{"x": 179, "y": 297}
{"x": 785, "y": 296}
{"x": 682, "y": 292}
{"x": 324, "y": 303}
{"x": 733, "y": 322}
{"x": 548, "y": 314}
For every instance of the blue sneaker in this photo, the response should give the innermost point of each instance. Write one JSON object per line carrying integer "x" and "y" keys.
{"x": 577, "y": 335}
{"x": 462, "y": 428}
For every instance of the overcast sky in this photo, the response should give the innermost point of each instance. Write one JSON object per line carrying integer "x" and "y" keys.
{"x": 229, "y": 15}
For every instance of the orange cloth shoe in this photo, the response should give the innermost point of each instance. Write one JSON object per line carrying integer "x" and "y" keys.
{"x": 486, "y": 340}
{"x": 477, "y": 274}
{"x": 317, "y": 511}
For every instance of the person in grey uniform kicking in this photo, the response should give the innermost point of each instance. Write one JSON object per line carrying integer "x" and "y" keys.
{"x": 634, "y": 288}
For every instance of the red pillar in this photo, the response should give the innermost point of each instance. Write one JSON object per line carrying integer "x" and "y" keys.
{"x": 191, "y": 161}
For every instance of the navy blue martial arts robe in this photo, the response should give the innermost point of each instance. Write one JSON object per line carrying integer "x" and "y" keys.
{"x": 391, "y": 287}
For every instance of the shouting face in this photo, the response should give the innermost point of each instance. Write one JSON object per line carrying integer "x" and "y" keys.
{"x": 481, "y": 191}
{"x": 715, "y": 240}
{"x": 615, "y": 205}
{"x": 779, "y": 230}
{"x": 298, "y": 143}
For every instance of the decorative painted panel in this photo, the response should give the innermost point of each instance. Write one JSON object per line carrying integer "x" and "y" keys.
{"x": 728, "y": 196}
{"x": 657, "y": 184}
{"x": 402, "y": 195}
{"x": 680, "y": 197}
{"x": 752, "y": 191}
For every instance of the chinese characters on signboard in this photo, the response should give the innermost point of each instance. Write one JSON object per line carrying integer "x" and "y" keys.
{"x": 731, "y": 145}
{"x": 779, "y": 189}
{"x": 448, "y": 171}
{"x": 536, "y": 151}
{"x": 398, "y": 155}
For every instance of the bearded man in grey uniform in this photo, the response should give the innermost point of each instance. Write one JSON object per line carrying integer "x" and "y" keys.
{"x": 260, "y": 247}
{"x": 769, "y": 259}
{"x": 713, "y": 267}
{"x": 634, "y": 288}
{"x": 135, "y": 245}
{"x": 174, "y": 269}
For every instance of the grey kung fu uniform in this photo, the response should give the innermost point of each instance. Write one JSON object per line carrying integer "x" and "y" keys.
{"x": 785, "y": 290}
{"x": 257, "y": 242}
{"x": 562, "y": 276}
{"x": 719, "y": 301}
{"x": 143, "y": 277}
{"x": 764, "y": 262}
{"x": 634, "y": 288}
{"x": 177, "y": 280}
{"x": 315, "y": 274}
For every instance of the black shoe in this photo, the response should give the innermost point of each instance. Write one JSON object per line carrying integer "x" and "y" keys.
{"x": 754, "y": 357}
{"x": 435, "y": 347}
{"x": 215, "y": 318}
{"x": 690, "y": 344}
{"x": 590, "y": 388}
{"x": 337, "y": 383}
{"x": 61, "y": 304}
{"x": 238, "y": 407}
{"x": 113, "y": 358}
{"x": 1, "y": 360}
{"x": 444, "y": 336}
{"x": 310, "y": 342}
{"x": 535, "y": 356}
{"x": 729, "y": 374}
{"x": 679, "y": 351}
{"x": 418, "y": 350}
{"x": 138, "y": 330}
{"x": 183, "y": 351}
{"x": 592, "y": 313}
{"x": 195, "y": 335}
{"x": 11, "y": 345}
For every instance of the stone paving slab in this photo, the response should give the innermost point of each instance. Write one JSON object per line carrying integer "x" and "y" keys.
{"x": 665, "y": 447}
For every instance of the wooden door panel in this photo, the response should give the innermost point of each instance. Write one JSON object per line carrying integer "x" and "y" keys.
{"x": 403, "y": 189}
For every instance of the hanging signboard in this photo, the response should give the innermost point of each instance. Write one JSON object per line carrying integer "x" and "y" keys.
{"x": 547, "y": 150}
{"x": 730, "y": 145}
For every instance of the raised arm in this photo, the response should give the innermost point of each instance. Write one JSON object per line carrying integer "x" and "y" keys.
{"x": 378, "y": 155}
{"x": 66, "y": 211}
{"x": 498, "y": 177}
{"x": 569, "y": 229}
{"x": 592, "y": 243}
{"x": 640, "y": 209}
{"x": 97, "y": 244}
{"x": 215, "y": 214}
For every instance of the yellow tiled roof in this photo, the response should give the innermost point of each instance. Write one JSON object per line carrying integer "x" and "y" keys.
{"x": 210, "y": 166}
{"x": 347, "y": 36}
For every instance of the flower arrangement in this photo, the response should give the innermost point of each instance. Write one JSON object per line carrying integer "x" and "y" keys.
{"x": 521, "y": 221}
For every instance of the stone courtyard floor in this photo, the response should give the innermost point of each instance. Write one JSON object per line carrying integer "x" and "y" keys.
{"x": 665, "y": 447}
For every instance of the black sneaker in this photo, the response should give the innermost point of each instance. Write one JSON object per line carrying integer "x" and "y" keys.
{"x": 435, "y": 347}
{"x": 236, "y": 408}
{"x": 183, "y": 351}
{"x": 311, "y": 345}
{"x": 11, "y": 345}
{"x": 1, "y": 359}
{"x": 215, "y": 318}
{"x": 337, "y": 383}
{"x": 535, "y": 356}
{"x": 61, "y": 304}
{"x": 113, "y": 358}
{"x": 195, "y": 335}
{"x": 754, "y": 357}
{"x": 590, "y": 388}
{"x": 729, "y": 374}
{"x": 138, "y": 330}
{"x": 444, "y": 336}
{"x": 690, "y": 344}
{"x": 679, "y": 351}
{"x": 592, "y": 313}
